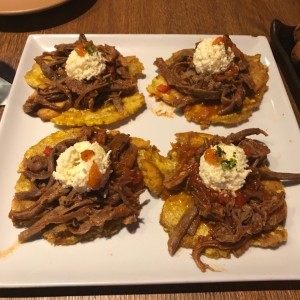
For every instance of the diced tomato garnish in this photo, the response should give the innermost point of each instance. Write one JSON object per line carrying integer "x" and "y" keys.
{"x": 94, "y": 177}
{"x": 163, "y": 88}
{"x": 239, "y": 199}
{"x": 232, "y": 72}
{"x": 47, "y": 150}
{"x": 211, "y": 157}
{"x": 223, "y": 198}
{"x": 80, "y": 50}
{"x": 247, "y": 150}
{"x": 87, "y": 154}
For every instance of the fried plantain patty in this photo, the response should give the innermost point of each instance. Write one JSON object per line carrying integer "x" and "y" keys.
{"x": 63, "y": 215}
{"x": 201, "y": 219}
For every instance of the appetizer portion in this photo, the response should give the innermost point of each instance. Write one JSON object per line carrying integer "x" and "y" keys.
{"x": 215, "y": 83}
{"x": 77, "y": 185}
{"x": 84, "y": 84}
{"x": 220, "y": 197}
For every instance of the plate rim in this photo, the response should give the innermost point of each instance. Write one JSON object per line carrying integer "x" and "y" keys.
{"x": 10, "y": 9}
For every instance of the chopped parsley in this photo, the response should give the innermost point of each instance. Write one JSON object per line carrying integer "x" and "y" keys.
{"x": 228, "y": 164}
{"x": 89, "y": 49}
{"x": 220, "y": 151}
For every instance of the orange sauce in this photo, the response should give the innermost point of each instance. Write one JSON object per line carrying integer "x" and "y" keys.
{"x": 86, "y": 155}
{"x": 94, "y": 177}
{"x": 211, "y": 157}
{"x": 80, "y": 50}
{"x": 218, "y": 40}
{"x": 202, "y": 112}
{"x": 9, "y": 250}
{"x": 210, "y": 110}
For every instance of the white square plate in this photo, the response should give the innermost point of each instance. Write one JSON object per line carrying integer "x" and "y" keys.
{"x": 142, "y": 257}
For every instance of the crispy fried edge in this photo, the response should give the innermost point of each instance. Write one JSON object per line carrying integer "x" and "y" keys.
{"x": 107, "y": 114}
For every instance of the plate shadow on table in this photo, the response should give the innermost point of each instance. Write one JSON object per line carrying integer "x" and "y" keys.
{"x": 7, "y": 72}
{"x": 45, "y": 19}
{"x": 150, "y": 289}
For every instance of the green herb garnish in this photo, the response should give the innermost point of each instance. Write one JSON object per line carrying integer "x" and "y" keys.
{"x": 89, "y": 49}
{"x": 228, "y": 164}
{"x": 220, "y": 151}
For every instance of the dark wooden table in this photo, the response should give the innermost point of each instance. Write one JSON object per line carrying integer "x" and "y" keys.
{"x": 144, "y": 17}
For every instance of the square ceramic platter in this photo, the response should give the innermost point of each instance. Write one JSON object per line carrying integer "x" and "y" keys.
{"x": 142, "y": 257}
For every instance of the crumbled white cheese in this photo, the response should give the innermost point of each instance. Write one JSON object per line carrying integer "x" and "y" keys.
{"x": 231, "y": 171}
{"x": 72, "y": 170}
{"x": 211, "y": 58}
{"x": 86, "y": 66}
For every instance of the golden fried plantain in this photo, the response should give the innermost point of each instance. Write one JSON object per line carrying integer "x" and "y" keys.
{"x": 177, "y": 202}
{"x": 107, "y": 114}
{"x": 36, "y": 78}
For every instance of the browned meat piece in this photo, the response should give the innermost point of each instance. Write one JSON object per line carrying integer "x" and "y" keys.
{"x": 174, "y": 80}
{"x": 181, "y": 229}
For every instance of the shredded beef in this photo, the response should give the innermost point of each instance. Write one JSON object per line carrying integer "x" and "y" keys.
{"x": 181, "y": 229}
{"x": 230, "y": 87}
{"x": 81, "y": 212}
{"x": 232, "y": 221}
{"x": 85, "y": 94}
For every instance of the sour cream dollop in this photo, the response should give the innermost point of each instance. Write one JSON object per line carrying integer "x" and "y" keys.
{"x": 85, "y": 66}
{"x": 211, "y": 56}
{"x": 82, "y": 166}
{"x": 224, "y": 167}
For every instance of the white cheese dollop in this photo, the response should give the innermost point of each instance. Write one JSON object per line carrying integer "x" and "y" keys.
{"x": 72, "y": 170}
{"x": 231, "y": 171}
{"x": 86, "y": 66}
{"x": 210, "y": 57}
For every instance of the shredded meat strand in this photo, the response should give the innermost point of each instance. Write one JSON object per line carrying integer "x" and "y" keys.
{"x": 181, "y": 229}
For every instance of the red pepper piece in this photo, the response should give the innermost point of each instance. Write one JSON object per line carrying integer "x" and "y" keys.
{"x": 163, "y": 88}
